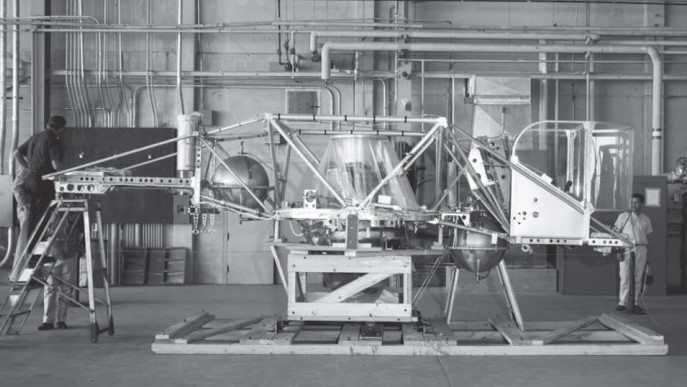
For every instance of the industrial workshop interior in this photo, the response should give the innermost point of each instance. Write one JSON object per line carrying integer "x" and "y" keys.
{"x": 343, "y": 193}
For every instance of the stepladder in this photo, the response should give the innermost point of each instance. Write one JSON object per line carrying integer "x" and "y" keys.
{"x": 66, "y": 231}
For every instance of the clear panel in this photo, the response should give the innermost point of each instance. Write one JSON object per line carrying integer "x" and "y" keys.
{"x": 612, "y": 184}
{"x": 590, "y": 161}
{"x": 355, "y": 164}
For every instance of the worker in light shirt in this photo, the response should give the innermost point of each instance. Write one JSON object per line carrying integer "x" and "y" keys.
{"x": 636, "y": 226}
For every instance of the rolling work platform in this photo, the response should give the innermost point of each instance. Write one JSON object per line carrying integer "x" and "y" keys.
{"x": 36, "y": 266}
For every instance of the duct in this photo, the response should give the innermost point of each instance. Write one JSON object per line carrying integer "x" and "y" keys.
{"x": 657, "y": 70}
{"x": 586, "y": 37}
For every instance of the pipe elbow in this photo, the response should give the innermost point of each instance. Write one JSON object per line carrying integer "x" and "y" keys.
{"x": 593, "y": 38}
{"x": 326, "y": 61}
{"x": 313, "y": 42}
{"x": 653, "y": 53}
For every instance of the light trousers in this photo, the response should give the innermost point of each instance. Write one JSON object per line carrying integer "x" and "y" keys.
{"x": 54, "y": 306}
{"x": 640, "y": 268}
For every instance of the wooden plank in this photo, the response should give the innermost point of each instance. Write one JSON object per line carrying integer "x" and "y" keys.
{"x": 260, "y": 330}
{"x": 576, "y": 336}
{"x": 279, "y": 338}
{"x": 203, "y": 334}
{"x": 331, "y": 336}
{"x": 442, "y": 333}
{"x": 413, "y": 350}
{"x": 348, "y": 264}
{"x": 361, "y": 251}
{"x": 288, "y": 335}
{"x": 631, "y": 330}
{"x": 350, "y": 333}
{"x": 291, "y": 287}
{"x": 530, "y": 325}
{"x": 567, "y": 329}
{"x": 511, "y": 333}
{"x": 352, "y": 288}
{"x": 341, "y": 248}
{"x": 349, "y": 312}
{"x": 185, "y": 327}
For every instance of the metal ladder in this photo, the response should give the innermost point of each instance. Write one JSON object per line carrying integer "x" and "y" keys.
{"x": 33, "y": 272}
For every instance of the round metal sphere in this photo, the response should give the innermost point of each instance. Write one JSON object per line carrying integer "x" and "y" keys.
{"x": 474, "y": 251}
{"x": 227, "y": 187}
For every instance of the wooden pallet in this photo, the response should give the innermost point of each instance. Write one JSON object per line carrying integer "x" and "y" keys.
{"x": 608, "y": 334}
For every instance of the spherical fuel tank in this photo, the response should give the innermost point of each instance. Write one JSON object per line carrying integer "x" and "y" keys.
{"x": 227, "y": 186}
{"x": 474, "y": 251}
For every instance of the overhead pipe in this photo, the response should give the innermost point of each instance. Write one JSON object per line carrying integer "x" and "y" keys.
{"x": 179, "y": 46}
{"x": 149, "y": 78}
{"x": 657, "y": 69}
{"x": 335, "y": 103}
{"x": 3, "y": 29}
{"x": 82, "y": 67}
{"x": 15, "y": 86}
{"x": 3, "y": 84}
{"x": 348, "y": 24}
{"x": 586, "y": 37}
{"x": 15, "y": 107}
{"x": 559, "y": 76}
{"x": 544, "y": 33}
{"x": 368, "y": 119}
{"x": 225, "y": 74}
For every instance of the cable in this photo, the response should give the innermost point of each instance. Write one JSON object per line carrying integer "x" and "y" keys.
{"x": 648, "y": 313}
{"x": 294, "y": 231}
{"x": 448, "y": 378}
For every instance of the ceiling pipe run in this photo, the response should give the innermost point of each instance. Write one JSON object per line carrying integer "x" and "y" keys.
{"x": 586, "y": 37}
{"x": 656, "y": 61}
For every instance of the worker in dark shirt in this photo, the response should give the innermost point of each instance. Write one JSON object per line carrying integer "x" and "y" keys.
{"x": 40, "y": 155}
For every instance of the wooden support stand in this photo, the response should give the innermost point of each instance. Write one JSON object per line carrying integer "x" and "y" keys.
{"x": 608, "y": 334}
{"x": 368, "y": 271}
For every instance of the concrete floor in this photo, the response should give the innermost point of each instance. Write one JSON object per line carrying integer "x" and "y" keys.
{"x": 67, "y": 358}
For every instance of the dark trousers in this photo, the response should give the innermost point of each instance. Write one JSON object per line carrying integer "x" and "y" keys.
{"x": 42, "y": 192}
